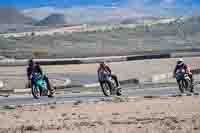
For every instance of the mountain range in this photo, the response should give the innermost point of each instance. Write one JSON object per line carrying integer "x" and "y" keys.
{"x": 53, "y": 20}
{"x": 52, "y": 16}
{"x": 10, "y": 15}
{"x": 12, "y": 18}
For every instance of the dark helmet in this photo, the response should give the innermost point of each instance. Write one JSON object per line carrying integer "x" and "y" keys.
{"x": 30, "y": 62}
{"x": 102, "y": 64}
{"x": 37, "y": 63}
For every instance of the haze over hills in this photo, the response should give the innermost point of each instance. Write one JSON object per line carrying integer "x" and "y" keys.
{"x": 53, "y": 20}
{"x": 46, "y": 16}
{"x": 10, "y": 15}
{"x": 139, "y": 20}
{"x": 33, "y": 19}
{"x": 94, "y": 15}
{"x": 12, "y": 20}
{"x": 20, "y": 19}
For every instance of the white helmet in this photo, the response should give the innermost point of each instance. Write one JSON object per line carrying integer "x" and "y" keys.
{"x": 180, "y": 61}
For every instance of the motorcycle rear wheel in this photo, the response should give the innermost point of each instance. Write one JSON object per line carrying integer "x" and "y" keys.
{"x": 119, "y": 92}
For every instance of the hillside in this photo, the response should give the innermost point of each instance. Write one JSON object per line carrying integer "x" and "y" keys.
{"x": 10, "y": 15}
{"x": 183, "y": 27}
{"x": 52, "y": 20}
{"x": 180, "y": 33}
{"x": 139, "y": 20}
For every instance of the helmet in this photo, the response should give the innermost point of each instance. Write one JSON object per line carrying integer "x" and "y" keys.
{"x": 102, "y": 63}
{"x": 30, "y": 62}
{"x": 180, "y": 61}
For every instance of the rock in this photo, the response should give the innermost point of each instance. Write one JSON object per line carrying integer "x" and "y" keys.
{"x": 139, "y": 125}
{"x": 1, "y": 84}
{"x": 9, "y": 107}
{"x": 78, "y": 102}
{"x": 67, "y": 82}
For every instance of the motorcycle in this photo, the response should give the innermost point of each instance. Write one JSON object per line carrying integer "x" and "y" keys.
{"x": 184, "y": 80}
{"x": 39, "y": 86}
{"x": 109, "y": 86}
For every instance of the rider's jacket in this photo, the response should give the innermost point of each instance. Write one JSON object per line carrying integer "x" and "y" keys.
{"x": 33, "y": 68}
{"x": 183, "y": 66}
{"x": 101, "y": 71}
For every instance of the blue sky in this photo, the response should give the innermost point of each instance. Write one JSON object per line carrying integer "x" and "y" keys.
{"x": 60, "y": 3}
{"x": 168, "y": 7}
{"x": 72, "y": 3}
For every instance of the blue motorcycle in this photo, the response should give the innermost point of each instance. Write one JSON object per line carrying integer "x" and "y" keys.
{"x": 39, "y": 86}
{"x": 109, "y": 86}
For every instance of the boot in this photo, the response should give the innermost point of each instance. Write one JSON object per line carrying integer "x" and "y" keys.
{"x": 192, "y": 89}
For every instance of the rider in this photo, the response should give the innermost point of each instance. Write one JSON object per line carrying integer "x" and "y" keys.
{"x": 104, "y": 68}
{"x": 35, "y": 67}
{"x": 182, "y": 65}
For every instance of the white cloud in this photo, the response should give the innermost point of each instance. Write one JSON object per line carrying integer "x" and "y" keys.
{"x": 40, "y": 13}
{"x": 169, "y": 1}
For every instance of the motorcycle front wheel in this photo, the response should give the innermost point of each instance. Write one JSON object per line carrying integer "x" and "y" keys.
{"x": 181, "y": 86}
{"x": 187, "y": 85}
{"x": 106, "y": 88}
{"x": 35, "y": 92}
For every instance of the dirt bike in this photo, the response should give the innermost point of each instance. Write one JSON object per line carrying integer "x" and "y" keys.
{"x": 39, "y": 86}
{"x": 109, "y": 86}
{"x": 184, "y": 80}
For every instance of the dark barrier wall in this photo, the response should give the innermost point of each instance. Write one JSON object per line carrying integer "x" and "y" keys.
{"x": 143, "y": 57}
{"x": 60, "y": 62}
{"x": 12, "y": 62}
{"x": 195, "y": 71}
